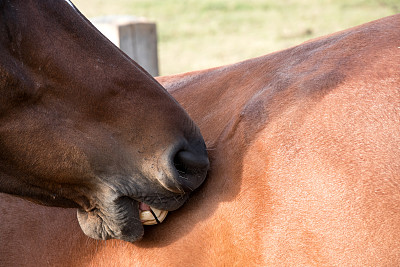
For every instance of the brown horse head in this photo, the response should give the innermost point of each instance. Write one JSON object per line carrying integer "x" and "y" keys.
{"x": 82, "y": 125}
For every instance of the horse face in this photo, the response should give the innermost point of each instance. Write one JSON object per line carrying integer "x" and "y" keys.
{"x": 83, "y": 126}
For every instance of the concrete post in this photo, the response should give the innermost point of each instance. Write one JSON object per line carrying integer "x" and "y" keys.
{"x": 137, "y": 37}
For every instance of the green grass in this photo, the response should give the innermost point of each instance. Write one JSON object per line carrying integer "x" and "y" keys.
{"x": 197, "y": 34}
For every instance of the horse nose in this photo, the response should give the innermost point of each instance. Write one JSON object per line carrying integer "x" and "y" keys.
{"x": 185, "y": 166}
{"x": 192, "y": 168}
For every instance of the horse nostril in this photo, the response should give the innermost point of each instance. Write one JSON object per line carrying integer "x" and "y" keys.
{"x": 188, "y": 160}
{"x": 192, "y": 169}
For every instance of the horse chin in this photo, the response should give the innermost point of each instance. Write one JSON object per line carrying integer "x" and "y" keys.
{"x": 118, "y": 216}
{"x": 120, "y": 220}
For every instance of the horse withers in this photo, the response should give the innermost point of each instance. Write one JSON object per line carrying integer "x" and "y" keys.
{"x": 83, "y": 126}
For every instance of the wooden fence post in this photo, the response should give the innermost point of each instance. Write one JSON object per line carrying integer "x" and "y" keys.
{"x": 137, "y": 37}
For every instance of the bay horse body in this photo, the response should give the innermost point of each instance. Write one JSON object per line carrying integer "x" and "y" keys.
{"x": 83, "y": 126}
{"x": 304, "y": 148}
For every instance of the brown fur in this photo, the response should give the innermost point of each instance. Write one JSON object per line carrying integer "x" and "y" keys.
{"x": 83, "y": 126}
{"x": 304, "y": 148}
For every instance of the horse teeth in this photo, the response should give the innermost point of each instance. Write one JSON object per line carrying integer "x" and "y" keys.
{"x": 147, "y": 217}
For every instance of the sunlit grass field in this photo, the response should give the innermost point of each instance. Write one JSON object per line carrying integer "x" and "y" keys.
{"x": 198, "y": 34}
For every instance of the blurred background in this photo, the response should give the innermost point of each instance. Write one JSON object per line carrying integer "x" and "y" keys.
{"x": 198, "y": 34}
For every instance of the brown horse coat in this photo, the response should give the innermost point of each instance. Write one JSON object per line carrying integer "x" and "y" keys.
{"x": 304, "y": 147}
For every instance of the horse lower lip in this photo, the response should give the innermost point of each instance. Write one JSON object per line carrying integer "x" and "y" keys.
{"x": 147, "y": 217}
